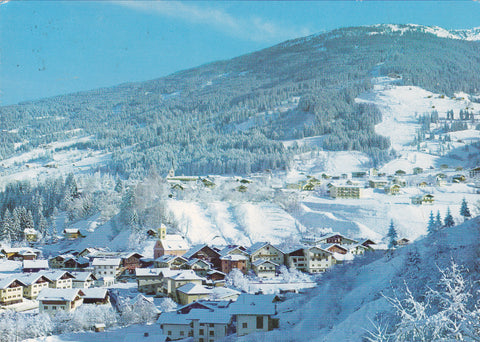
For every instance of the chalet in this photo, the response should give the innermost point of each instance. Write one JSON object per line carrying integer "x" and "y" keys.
{"x": 393, "y": 189}
{"x": 95, "y": 296}
{"x": 241, "y": 188}
{"x": 131, "y": 261}
{"x": 149, "y": 280}
{"x": 264, "y": 268}
{"x": 199, "y": 266}
{"x": 20, "y": 253}
{"x": 59, "y": 260}
{"x": 34, "y": 283}
{"x": 308, "y": 187}
{"x": 318, "y": 260}
{"x": 83, "y": 280}
{"x": 358, "y": 249}
{"x": 191, "y": 292}
{"x": 224, "y": 294}
{"x": 11, "y": 291}
{"x": 233, "y": 249}
{"x": 208, "y": 183}
{"x": 52, "y": 300}
{"x": 400, "y": 173}
{"x": 423, "y": 199}
{"x": 175, "y": 326}
{"x": 264, "y": 250}
{"x": 34, "y": 265}
{"x": 422, "y": 184}
{"x": 87, "y": 251}
{"x": 254, "y": 313}
{"x": 377, "y": 183}
{"x": 173, "y": 262}
{"x": 474, "y": 173}
{"x": 72, "y": 233}
{"x": 59, "y": 279}
{"x": 336, "y": 248}
{"x": 204, "y": 252}
{"x": 31, "y": 235}
{"x": 417, "y": 170}
{"x": 459, "y": 179}
{"x": 336, "y": 238}
{"x": 346, "y": 191}
{"x": 106, "y": 269}
{"x": 171, "y": 244}
{"x": 400, "y": 181}
{"x": 368, "y": 243}
{"x": 296, "y": 260}
{"x": 210, "y": 325}
{"x": 231, "y": 261}
{"x": 75, "y": 263}
{"x": 215, "y": 278}
{"x": 178, "y": 279}
{"x": 403, "y": 242}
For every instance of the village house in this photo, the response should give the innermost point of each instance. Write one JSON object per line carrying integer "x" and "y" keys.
{"x": 83, "y": 280}
{"x": 175, "y": 326}
{"x": 264, "y": 268}
{"x": 336, "y": 238}
{"x": 359, "y": 174}
{"x": 179, "y": 278}
{"x": 377, "y": 183}
{"x": 173, "y": 262}
{"x": 31, "y": 235}
{"x": 295, "y": 260}
{"x": 264, "y": 250}
{"x": 199, "y": 266}
{"x": 75, "y": 263}
{"x": 52, "y": 300}
{"x": 209, "y": 325}
{"x": 106, "y": 269}
{"x": 215, "y": 278}
{"x": 59, "y": 260}
{"x": 191, "y": 292}
{"x": 400, "y": 181}
{"x": 29, "y": 266}
{"x": 171, "y": 244}
{"x": 417, "y": 170}
{"x": 96, "y": 296}
{"x": 204, "y": 252}
{"x": 403, "y": 242}
{"x": 11, "y": 291}
{"x": 423, "y": 199}
{"x": 72, "y": 233}
{"x": 59, "y": 279}
{"x": 224, "y": 294}
{"x": 335, "y": 248}
{"x": 33, "y": 284}
{"x": 346, "y": 191}
{"x": 357, "y": 249}
{"x": 474, "y": 173}
{"x": 318, "y": 260}
{"x": 131, "y": 261}
{"x": 21, "y": 253}
{"x": 149, "y": 280}
{"x": 393, "y": 189}
{"x": 254, "y": 313}
{"x": 231, "y": 261}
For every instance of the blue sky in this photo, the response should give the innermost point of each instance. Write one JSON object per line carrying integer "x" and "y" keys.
{"x": 56, "y": 47}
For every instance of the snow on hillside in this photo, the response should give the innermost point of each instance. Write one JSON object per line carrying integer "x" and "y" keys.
{"x": 467, "y": 34}
{"x": 349, "y": 299}
{"x": 224, "y": 222}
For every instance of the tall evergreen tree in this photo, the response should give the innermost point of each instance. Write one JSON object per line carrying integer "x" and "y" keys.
{"x": 392, "y": 235}
{"x": 432, "y": 227}
{"x": 449, "y": 222}
{"x": 438, "y": 220}
{"x": 464, "y": 211}
{"x": 7, "y": 226}
{"x": 16, "y": 225}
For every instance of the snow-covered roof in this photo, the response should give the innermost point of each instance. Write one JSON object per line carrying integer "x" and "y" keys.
{"x": 6, "y": 282}
{"x": 248, "y": 304}
{"x": 31, "y": 278}
{"x": 185, "y": 275}
{"x": 168, "y": 258}
{"x": 173, "y": 318}
{"x": 234, "y": 257}
{"x": 230, "y": 248}
{"x": 65, "y": 295}
{"x": 218, "y": 316}
{"x": 71, "y": 231}
{"x": 106, "y": 262}
{"x": 259, "y": 262}
{"x": 43, "y": 264}
{"x": 174, "y": 242}
{"x": 193, "y": 289}
{"x": 220, "y": 293}
{"x": 29, "y": 231}
{"x": 146, "y": 272}
{"x": 255, "y": 247}
{"x": 21, "y": 250}
{"x": 56, "y": 275}
{"x": 95, "y": 293}
{"x": 195, "y": 260}
{"x": 193, "y": 250}
{"x": 83, "y": 276}
{"x": 130, "y": 254}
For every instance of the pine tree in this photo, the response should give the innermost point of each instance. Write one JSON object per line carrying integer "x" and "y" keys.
{"x": 119, "y": 186}
{"x": 7, "y": 226}
{"x": 42, "y": 226}
{"x": 449, "y": 219}
{"x": 438, "y": 220}
{"x": 464, "y": 211}
{"x": 16, "y": 226}
{"x": 432, "y": 227}
{"x": 392, "y": 235}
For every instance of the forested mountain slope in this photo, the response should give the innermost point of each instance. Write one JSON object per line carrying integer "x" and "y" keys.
{"x": 230, "y": 116}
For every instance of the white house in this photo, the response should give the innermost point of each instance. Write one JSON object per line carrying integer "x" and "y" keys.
{"x": 52, "y": 300}
{"x": 106, "y": 269}
{"x": 35, "y": 265}
{"x": 59, "y": 279}
{"x": 83, "y": 280}
{"x": 264, "y": 268}
{"x": 254, "y": 313}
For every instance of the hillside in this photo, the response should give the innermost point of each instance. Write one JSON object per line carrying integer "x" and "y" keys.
{"x": 232, "y": 116}
{"x": 349, "y": 298}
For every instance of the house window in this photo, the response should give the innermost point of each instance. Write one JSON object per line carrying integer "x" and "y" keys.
{"x": 200, "y": 339}
{"x": 245, "y": 325}
{"x": 182, "y": 333}
{"x": 200, "y": 332}
{"x": 210, "y": 325}
{"x": 259, "y": 322}
{"x": 212, "y": 333}
{"x": 54, "y": 307}
{"x": 169, "y": 333}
